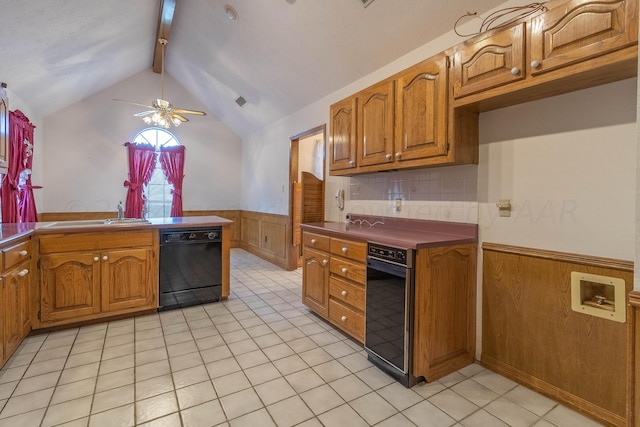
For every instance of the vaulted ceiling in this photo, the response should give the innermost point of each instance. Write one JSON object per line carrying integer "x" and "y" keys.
{"x": 280, "y": 55}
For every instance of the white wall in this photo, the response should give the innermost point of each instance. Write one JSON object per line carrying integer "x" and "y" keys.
{"x": 86, "y": 162}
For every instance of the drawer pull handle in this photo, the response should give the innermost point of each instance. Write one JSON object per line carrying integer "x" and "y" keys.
{"x": 325, "y": 261}
{"x": 344, "y": 293}
{"x": 23, "y": 252}
{"x": 515, "y": 71}
{"x": 23, "y": 273}
{"x": 344, "y": 250}
{"x": 104, "y": 258}
{"x": 343, "y": 318}
{"x": 344, "y": 269}
{"x": 389, "y": 157}
{"x": 352, "y": 163}
{"x": 95, "y": 258}
{"x": 535, "y": 64}
{"x": 313, "y": 242}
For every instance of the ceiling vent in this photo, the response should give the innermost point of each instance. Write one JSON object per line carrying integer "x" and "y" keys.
{"x": 366, "y": 3}
{"x": 241, "y": 101}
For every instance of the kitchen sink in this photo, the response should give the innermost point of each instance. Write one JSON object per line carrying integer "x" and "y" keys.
{"x": 98, "y": 222}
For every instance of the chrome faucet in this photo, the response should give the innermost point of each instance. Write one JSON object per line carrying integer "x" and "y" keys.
{"x": 120, "y": 211}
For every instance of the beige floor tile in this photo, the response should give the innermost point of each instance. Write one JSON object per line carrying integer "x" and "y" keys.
{"x": 113, "y": 398}
{"x": 46, "y": 367}
{"x": 204, "y": 332}
{"x": 510, "y": 413}
{"x": 492, "y": 381}
{"x": 253, "y": 358}
{"x": 85, "y": 358}
{"x": 79, "y": 373}
{"x": 7, "y": 389}
{"x": 12, "y": 374}
{"x": 115, "y": 380}
{"x": 304, "y": 380}
{"x": 291, "y": 364}
{"x": 399, "y": 420}
{"x": 399, "y": 396}
{"x": 149, "y": 334}
{"x": 350, "y": 387}
{"x": 40, "y": 382}
{"x": 223, "y": 367}
{"x": 424, "y": 414}
{"x": 73, "y": 391}
{"x": 290, "y": 411}
{"x": 342, "y": 416}
{"x": 315, "y": 356}
{"x": 268, "y": 340}
{"x": 53, "y": 353}
{"x": 185, "y": 347}
{"x": 211, "y": 341}
{"x": 117, "y": 340}
{"x": 172, "y": 420}
{"x": 123, "y": 416}
{"x": 262, "y": 373}
{"x": 117, "y": 364}
{"x": 274, "y": 391}
{"x": 565, "y": 417}
{"x": 244, "y": 346}
{"x": 322, "y": 399}
{"x": 231, "y": 383}
{"x": 215, "y": 354}
{"x": 331, "y": 371}
{"x": 205, "y": 415}
{"x": 190, "y": 376}
{"x": 195, "y": 394}
{"x": 240, "y": 403}
{"x": 260, "y": 418}
{"x": 475, "y": 392}
{"x": 154, "y": 386}
{"x": 373, "y": 408}
{"x": 153, "y": 369}
{"x": 149, "y": 356}
{"x": 453, "y": 404}
{"x": 67, "y": 411}
{"x": 185, "y": 361}
{"x": 26, "y": 403}
{"x": 150, "y": 344}
{"x": 374, "y": 377}
{"x": 482, "y": 418}
{"x": 29, "y": 419}
{"x": 529, "y": 399}
{"x": 156, "y": 407}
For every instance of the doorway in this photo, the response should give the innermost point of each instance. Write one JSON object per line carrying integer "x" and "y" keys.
{"x": 306, "y": 186}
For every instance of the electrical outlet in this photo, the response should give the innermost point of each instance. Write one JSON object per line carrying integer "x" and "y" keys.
{"x": 398, "y": 205}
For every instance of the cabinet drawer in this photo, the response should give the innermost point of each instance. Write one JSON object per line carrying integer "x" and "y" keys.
{"x": 347, "y": 319}
{"x": 349, "y": 293}
{"x": 53, "y": 243}
{"x": 349, "y": 270}
{"x": 356, "y": 251}
{"x": 316, "y": 241}
{"x": 17, "y": 253}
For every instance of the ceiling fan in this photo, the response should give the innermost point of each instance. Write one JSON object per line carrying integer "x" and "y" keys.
{"x": 162, "y": 113}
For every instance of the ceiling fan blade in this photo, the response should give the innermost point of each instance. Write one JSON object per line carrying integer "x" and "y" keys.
{"x": 144, "y": 113}
{"x": 133, "y": 103}
{"x": 179, "y": 117}
{"x": 183, "y": 111}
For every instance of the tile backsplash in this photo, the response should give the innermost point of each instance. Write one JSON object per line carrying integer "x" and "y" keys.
{"x": 442, "y": 194}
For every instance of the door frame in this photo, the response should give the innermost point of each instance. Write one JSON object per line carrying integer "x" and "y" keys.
{"x": 294, "y": 151}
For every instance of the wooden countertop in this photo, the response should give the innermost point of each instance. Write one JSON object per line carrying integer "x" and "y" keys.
{"x": 400, "y": 232}
{"x": 11, "y": 232}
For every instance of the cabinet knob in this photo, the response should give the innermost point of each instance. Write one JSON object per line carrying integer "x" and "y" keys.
{"x": 104, "y": 257}
{"x": 95, "y": 258}
{"x": 352, "y": 163}
{"x": 344, "y": 293}
{"x": 23, "y": 273}
{"x": 535, "y": 64}
{"x": 389, "y": 157}
{"x": 344, "y": 250}
{"x": 343, "y": 318}
{"x": 23, "y": 253}
{"x": 313, "y": 242}
{"x": 398, "y": 155}
{"x": 325, "y": 261}
{"x": 344, "y": 269}
{"x": 515, "y": 71}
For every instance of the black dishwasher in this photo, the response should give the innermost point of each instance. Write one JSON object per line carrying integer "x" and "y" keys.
{"x": 190, "y": 267}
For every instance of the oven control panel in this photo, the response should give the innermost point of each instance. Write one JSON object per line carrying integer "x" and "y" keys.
{"x": 388, "y": 253}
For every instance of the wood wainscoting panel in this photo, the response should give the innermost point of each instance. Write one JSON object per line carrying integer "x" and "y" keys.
{"x": 267, "y": 236}
{"x": 531, "y": 334}
{"x": 633, "y": 359}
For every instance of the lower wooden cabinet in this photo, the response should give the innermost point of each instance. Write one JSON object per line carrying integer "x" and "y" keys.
{"x": 333, "y": 280}
{"x": 113, "y": 273}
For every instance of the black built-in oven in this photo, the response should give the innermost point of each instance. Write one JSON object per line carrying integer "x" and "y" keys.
{"x": 389, "y": 311}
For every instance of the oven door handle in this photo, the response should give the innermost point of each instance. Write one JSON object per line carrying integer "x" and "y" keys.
{"x": 387, "y": 267}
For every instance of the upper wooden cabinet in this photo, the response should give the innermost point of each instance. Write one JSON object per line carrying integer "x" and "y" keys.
{"x": 342, "y": 135}
{"x": 375, "y": 127}
{"x": 573, "y": 45}
{"x": 494, "y": 60}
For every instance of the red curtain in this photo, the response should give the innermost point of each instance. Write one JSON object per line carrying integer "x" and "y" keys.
{"x": 142, "y": 161}
{"x": 14, "y": 207}
{"x": 172, "y": 162}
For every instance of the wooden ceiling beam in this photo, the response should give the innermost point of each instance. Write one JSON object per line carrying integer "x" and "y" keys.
{"x": 165, "y": 19}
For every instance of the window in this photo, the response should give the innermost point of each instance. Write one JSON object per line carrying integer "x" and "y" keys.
{"x": 158, "y": 191}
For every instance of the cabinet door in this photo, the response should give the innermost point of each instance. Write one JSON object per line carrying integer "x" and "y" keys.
{"x": 128, "y": 279}
{"x": 24, "y": 282}
{"x": 375, "y": 124}
{"x": 421, "y": 111}
{"x": 69, "y": 286}
{"x": 315, "y": 281}
{"x": 342, "y": 135}
{"x": 490, "y": 62}
{"x": 580, "y": 30}
{"x": 12, "y": 323}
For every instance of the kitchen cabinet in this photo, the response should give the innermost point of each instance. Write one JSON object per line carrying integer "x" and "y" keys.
{"x": 573, "y": 45}
{"x": 342, "y": 135}
{"x": 83, "y": 276}
{"x": 334, "y": 276}
{"x": 445, "y": 301}
{"x": 375, "y": 125}
{"x": 4, "y": 129}
{"x": 15, "y": 301}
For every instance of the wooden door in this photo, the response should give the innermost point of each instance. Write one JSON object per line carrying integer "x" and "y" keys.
{"x": 315, "y": 281}
{"x": 12, "y": 324}
{"x": 342, "y": 135}
{"x": 580, "y": 30}
{"x": 70, "y": 286}
{"x": 375, "y": 124}
{"x": 127, "y": 279}
{"x": 421, "y": 111}
{"x": 493, "y": 61}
